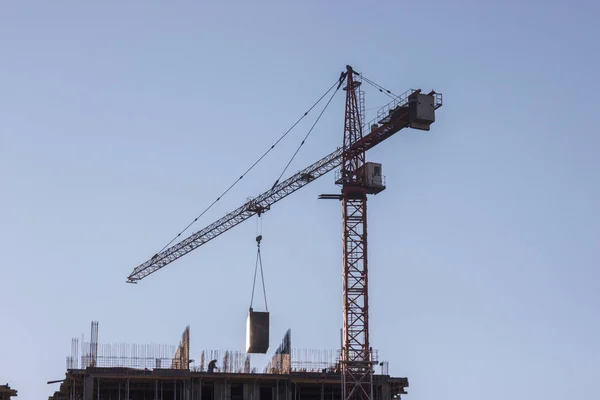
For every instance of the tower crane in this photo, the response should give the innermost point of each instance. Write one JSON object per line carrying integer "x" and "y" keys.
{"x": 412, "y": 109}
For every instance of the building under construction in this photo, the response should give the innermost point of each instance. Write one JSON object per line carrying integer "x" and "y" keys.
{"x": 6, "y": 392}
{"x": 136, "y": 372}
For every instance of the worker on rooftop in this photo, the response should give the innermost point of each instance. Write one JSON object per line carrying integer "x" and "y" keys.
{"x": 212, "y": 366}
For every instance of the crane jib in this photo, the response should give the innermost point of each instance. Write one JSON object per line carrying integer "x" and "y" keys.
{"x": 263, "y": 202}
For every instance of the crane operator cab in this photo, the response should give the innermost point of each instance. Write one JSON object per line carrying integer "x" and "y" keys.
{"x": 372, "y": 178}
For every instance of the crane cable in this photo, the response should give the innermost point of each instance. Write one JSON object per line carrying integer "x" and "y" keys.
{"x": 379, "y": 87}
{"x": 340, "y": 81}
{"x": 259, "y": 220}
{"x": 309, "y": 131}
{"x": 251, "y": 167}
{"x": 259, "y": 262}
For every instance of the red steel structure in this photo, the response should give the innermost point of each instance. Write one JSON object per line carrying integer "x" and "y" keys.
{"x": 356, "y": 359}
{"x": 402, "y": 112}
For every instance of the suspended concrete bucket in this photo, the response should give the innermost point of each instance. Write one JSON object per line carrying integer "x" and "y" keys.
{"x": 257, "y": 332}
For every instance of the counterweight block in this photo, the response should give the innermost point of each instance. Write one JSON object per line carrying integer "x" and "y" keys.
{"x": 421, "y": 111}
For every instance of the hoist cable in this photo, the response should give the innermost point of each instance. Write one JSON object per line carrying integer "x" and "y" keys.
{"x": 249, "y": 169}
{"x": 254, "y": 280}
{"x": 262, "y": 276}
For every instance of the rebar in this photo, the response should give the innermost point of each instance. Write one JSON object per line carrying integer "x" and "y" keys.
{"x": 157, "y": 356}
{"x": 126, "y": 355}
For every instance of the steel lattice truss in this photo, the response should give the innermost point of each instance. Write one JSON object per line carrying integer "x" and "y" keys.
{"x": 356, "y": 355}
{"x": 352, "y": 133}
{"x": 392, "y": 124}
{"x": 260, "y": 204}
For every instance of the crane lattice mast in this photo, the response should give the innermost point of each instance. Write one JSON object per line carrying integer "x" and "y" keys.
{"x": 356, "y": 354}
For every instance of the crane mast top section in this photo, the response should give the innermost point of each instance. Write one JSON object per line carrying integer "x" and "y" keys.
{"x": 391, "y": 118}
{"x": 352, "y": 161}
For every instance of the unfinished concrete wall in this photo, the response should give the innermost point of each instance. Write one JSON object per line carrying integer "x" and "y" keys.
{"x": 282, "y": 390}
{"x": 222, "y": 391}
{"x": 182, "y": 385}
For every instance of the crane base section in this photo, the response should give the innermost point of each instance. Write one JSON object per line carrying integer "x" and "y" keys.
{"x": 257, "y": 332}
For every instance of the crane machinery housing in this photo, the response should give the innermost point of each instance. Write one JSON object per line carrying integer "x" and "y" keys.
{"x": 357, "y": 178}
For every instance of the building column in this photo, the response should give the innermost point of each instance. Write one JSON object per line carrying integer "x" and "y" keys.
{"x": 88, "y": 388}
{"x": 222, "y": 391}
{"x": 385, "y": 391}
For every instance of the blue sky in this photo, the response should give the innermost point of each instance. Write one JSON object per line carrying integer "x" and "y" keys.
{"x": 120, "y": 121}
